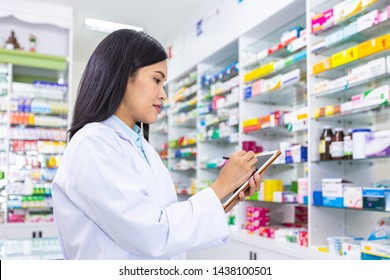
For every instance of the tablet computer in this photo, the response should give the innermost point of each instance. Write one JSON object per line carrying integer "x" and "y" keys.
{"x": 264, "y": 160}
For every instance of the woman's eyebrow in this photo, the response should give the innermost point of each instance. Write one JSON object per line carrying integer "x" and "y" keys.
{"x": 161, "y": 73}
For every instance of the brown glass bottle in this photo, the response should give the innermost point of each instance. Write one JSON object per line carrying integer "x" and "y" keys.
{"x": 325, "y": 141}
{"x": 336, "y": 148}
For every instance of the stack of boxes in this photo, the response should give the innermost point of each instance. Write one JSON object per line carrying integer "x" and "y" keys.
{"x": 337, "y": 192}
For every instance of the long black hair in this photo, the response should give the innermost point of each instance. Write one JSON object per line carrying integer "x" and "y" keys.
{"x": 103, "y": 84}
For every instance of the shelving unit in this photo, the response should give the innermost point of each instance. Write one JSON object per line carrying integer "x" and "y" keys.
{"x": 159, "y": 133}
{"x": 268, "y": 85}
{"x": 218, "y": 112}
{"x": 182, "y": 116}
{"x": 325, "y": 221}
{"x": 36, "y": 87}
{"x": 266, "y": 98}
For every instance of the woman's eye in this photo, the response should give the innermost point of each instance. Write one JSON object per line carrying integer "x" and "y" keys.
{"x": 157, "y": 80}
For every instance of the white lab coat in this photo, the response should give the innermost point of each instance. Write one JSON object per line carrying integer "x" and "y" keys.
{"x": 110, "y": 203}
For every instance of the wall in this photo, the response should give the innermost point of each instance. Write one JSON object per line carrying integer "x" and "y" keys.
{"x": 232, "y": 21}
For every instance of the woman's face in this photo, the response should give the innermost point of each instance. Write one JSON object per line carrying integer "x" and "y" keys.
{"x": 144, "y": 95}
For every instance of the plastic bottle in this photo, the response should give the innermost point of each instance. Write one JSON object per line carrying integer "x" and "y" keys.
{"x": 325, "y": 141}
{"x": 336, "y": 148}
{"x": 359, "y": 142}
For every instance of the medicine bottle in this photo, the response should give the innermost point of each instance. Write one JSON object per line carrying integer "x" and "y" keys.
{"x": 348, "y": 145}
{"x": 336, "y": 147}
{"x": 325, "y": 141}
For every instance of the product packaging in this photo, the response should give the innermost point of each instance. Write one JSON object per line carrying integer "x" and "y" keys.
{"x": 332, "y": 191}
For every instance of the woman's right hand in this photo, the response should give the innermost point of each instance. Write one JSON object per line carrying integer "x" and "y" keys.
{"x": 238, "y": 169}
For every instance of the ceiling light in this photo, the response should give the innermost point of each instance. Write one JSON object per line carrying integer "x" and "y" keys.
{"x": 107, "y": 26}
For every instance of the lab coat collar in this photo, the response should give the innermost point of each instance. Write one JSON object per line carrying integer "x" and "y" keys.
{"x": 117, "y": 128}
{"x": 110, "y": 122}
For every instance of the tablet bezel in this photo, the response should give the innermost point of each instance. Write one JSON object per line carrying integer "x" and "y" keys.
{"x": 245, "y": 185}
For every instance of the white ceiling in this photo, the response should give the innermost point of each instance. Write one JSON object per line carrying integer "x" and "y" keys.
{"x": 162, "y": 19}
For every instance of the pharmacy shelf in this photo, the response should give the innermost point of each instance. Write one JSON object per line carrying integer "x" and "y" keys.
{"x": 353, "y": 209}
{"x": 329, "y": 4}
{"x": 351, "y": 161}
{"x": 374, "y": 31}
{"x": 342, "y": 70}
{"x": 29, "y": 59}
{"x": 292, "y": 94}
{"x": 358, "y": 116}
{"x": 354, "y": 88}
{"x": 289, "y": 249}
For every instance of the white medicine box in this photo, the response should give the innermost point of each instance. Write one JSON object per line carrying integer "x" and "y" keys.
{"x": 333, "y": 191}
{"x": 353, "y": 197}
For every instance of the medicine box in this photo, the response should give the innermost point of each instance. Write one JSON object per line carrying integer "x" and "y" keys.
{"x": 346, "y": 9}
{"x": 351, "y": 249}
{"x": 322, "y": 66}
{"x": 375, "y": 250}
{"x": 378, "y": 144}
{"x": 257, "y": 88}
{"x": 377, "y": 96}
{"x": 322, "y": 21}
{"x": 344, "y": 57}
{"x": 353, "y": 197}
{"x": 334, "y": 37}
{"x": 332, "y": 191}
{"x": 374, "y": 198}
{"x": 367, "y": 20}
{"x": 374, "y": 45}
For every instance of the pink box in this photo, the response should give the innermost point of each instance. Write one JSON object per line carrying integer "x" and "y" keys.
{"x": 257, "y": 87}
{"x": 253, "y": 219}
{"x": 256, "y": 212}
{"x": 322, "y": 21}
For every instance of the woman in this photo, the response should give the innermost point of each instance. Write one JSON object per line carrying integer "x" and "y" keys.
{"x": 113, "y": 197}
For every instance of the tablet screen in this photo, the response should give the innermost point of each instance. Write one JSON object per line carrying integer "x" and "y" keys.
{"x": 264, "y": 160}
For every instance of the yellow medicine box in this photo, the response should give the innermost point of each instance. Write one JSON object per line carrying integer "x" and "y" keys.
{"x": 344, "y": 57}
{"x": 251, "y": 122}
{"x": 373, "y": 46}
{"x": 259, "y": 72}
{"x": 322, "y": 66}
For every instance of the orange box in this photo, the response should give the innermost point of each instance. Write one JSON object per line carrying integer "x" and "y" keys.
{"x": 374, "y": 45}
{"x": 345, "y": 56}
{"x": 265, "y": 121}
{"x": 322, "y": 66}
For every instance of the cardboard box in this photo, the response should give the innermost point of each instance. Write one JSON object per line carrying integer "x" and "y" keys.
{"x": 357, "y": 101}
{"x": 345, "y": 56}
{"x": 346, "y": 9}
{"x": 367, "y": 20}
{"x": 334, "y": 37}
{"x": 322, "y": 66}
{"x": 374, "y": 46}
{"x": 333, "y": 190}
{"x": 257, "y": 87}
{"x": 351, "y": 249}
{"x": 322, "y": 86}
{"x": 273, "y": 83}
{"x": 376, "y": 67}
{"x": 374, "y": 198}
{"x": 375, "y": 250}
{"x": 291, "y": 77}
{"x": 346, "y": 107}
{"x": 376, "y": 97}
{"x": 339, "y": 83}
{"x": 353, "y": 197}
{"x": 350, "y": 29}
{"x": 322, "y": 21}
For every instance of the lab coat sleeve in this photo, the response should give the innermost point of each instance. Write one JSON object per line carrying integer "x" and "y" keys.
{"x": 101, "y": 183}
